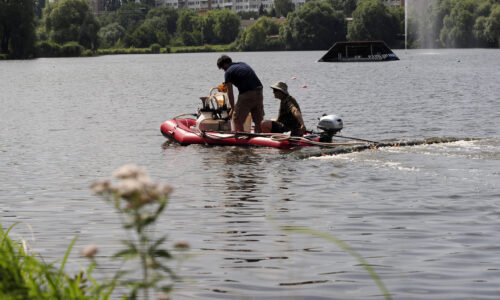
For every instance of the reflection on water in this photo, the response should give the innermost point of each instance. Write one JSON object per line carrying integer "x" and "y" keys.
{"x": 425, "y": 217}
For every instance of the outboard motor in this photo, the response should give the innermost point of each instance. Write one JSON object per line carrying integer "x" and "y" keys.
{"x": 330, "y": 124}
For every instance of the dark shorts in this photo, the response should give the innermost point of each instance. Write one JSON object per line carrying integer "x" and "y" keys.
{"x": 278, "y": 127}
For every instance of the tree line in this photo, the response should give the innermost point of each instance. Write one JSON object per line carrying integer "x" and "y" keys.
{"x": 30, "y": 28}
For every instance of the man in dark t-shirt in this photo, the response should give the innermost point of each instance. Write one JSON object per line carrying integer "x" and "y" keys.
{"x": 250, "y": 97}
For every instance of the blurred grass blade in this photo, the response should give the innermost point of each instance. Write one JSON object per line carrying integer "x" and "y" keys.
{"x": 345, "y": 247}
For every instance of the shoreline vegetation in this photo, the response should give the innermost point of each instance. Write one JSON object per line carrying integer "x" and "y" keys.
{"x": 72, "y": 49}
{"x": 65, "y": 28}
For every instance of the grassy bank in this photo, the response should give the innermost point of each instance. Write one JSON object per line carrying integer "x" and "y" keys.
{"x": 175, "y": 49}
{"x": 72, "y": 49}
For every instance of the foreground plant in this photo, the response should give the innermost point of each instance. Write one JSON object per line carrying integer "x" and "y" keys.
{"x": 27, "y": 276}
{"x": 139, "y": 203}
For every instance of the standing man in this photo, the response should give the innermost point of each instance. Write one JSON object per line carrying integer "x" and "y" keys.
{"x": 250, "y": 97}
{"x": 289, "y": 115}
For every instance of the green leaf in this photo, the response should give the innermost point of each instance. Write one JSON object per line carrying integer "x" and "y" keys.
{"x": 147, "y": 221}
{"x": 157, "y": 243}
{"x": 161, "y": 253}
{"x": 126, "y": 253}
{"x": 166, "y": 288}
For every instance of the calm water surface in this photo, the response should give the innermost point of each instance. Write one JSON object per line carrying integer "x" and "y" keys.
{"x": 427, "y": 218}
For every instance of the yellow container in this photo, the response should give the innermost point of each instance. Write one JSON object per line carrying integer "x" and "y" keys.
{"x": 220, "y": 100}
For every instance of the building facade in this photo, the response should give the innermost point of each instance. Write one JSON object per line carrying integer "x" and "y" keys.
{"x": 234, "y": 5}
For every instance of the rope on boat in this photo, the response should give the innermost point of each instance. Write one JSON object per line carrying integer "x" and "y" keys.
{"x": 183, "y": 115}
{"x": 358, "y": 148}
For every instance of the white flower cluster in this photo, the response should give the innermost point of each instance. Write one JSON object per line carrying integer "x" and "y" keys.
{"x": 134, "y": 186}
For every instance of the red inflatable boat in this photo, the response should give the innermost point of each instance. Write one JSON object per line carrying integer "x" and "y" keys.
{"x": 185, "y": 132}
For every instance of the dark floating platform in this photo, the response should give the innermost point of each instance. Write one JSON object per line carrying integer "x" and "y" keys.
{"x": 359, "y": 51}
{"x": 359, "y": 148}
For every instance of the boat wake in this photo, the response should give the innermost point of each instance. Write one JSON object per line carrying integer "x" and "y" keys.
{"x": 384, "y": 144}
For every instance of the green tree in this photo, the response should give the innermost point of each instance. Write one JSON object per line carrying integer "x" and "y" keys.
{"x": 350, "y": 6}
{"x": 458, "y": 26}
{"x": 39, "y": 6}
{"x": 17, "y": 28}
{"x": 153, "y": 30}
{"x": 226, "y": 26}
{"x": 71, "y": 20}
{"x": 208, "y": 27}
{"x": 492, "y": 26}
{"x": 111, "y": 34}
{"x": 283, "y": 7}
{"x": 189, "y": 27}
{"x": 169, "y": 14}
{"x": 373, "y": 20}
{"x": 271, "y": 12}
{"x": 261, "y": 36}
{"x": 149, "y": 2}
{"x": 130, "y": 15}
{"x": 316, "y": 25}
{"x": 247, "y": 15}
{"x": 262, "y": 11}
{"x": 347, "y": 6}
{"x": 336, "y": 4}
{"x": 111, "y": 5}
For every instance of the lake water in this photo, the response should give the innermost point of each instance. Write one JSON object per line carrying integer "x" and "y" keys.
{"x": 427, "y": 218}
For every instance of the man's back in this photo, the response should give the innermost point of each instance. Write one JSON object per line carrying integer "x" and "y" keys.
{"x": 285, "y": 115}
{"x": 243, "y": 77}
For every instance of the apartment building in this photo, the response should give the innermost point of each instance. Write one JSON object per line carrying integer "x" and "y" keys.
{"x": 234, "y": 5}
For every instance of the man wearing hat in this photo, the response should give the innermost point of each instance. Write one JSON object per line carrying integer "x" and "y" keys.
{"x": 250, "y": 97}
{"x": 289, "y": 115}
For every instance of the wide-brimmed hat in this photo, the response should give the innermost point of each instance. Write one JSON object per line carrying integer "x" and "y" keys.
{"x": 280, "y": 86}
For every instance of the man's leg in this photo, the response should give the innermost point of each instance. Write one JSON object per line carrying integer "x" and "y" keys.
{"x": 241, "y": 111}
{"x": 258, "y": 110}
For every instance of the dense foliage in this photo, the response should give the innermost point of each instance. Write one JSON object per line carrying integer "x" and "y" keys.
{"x": 456, "y": 23}
{"x": 71, "y": 20}
{"x": 373, "y": 20}
{"x": 17, "y": 28}
{"x": 261, "y": 36}
{"x": 137, "y": 25}
{"x": 315, "y": 25}
{"x": 283, "y": 7}
{"x": 25, "y": 276}
{"x": 220, "y": 27}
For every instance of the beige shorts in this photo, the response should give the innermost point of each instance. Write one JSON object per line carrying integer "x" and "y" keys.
{"x": 249, "y": 102}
